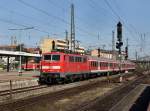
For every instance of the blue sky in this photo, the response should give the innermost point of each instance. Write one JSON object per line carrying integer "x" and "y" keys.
{"x": 52, "y": 17}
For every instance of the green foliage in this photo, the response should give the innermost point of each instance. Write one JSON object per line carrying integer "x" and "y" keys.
{"x": 2, "y": 66}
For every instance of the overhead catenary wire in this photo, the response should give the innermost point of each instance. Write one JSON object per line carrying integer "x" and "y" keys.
{"x": 124, "y": 21}
{"x": 92, "y": 4}
{"x": 107, "y": 3}
{"x": 77, "y": 17}
{"x": 53, "y": 16}
{"x": 28, "y": 17}
{"x": 129, "y": 26}
{"x": 22, "y": 25}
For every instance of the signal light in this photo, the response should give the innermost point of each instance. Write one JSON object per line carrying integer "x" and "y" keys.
{"x": 119, "y": 44}
{"x": 119, "y": 31}
{"x": 126, "y": 51}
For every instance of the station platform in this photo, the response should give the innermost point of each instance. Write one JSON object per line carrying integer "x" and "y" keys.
{"x": 16, "y": 80}
{"x": 15, "y": 75}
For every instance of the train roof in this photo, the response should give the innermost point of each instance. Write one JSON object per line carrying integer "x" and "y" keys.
{"x": 107, "y": 60}
{"x": 71, "y": 54}
{"x": 94, "y": 58}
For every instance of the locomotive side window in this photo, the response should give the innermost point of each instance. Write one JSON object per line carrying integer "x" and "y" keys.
{"x": 84, "y": 60}
{"x": 56, "y": 57}
{"x": 71, "y": 59}
{"x": 47, "y": 57}
{"x": 78, "y": 59}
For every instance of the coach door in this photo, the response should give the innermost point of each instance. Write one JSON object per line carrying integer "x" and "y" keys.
{"x": 66, "y": 66}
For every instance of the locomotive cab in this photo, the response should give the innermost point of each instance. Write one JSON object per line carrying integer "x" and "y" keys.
{"x": 51, "y": 66}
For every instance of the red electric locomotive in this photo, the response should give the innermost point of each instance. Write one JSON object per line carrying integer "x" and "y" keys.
{"x": 58, "y": 66}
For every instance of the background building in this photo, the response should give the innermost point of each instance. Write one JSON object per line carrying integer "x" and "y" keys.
{"x": 8, "y": 47}
{"x": 109, "y": 54}
{"x": 102, "y": 53}
{"x": 49, "y": 44}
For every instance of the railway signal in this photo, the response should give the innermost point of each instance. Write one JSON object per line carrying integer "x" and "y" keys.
{"x": 119, "y": 42}
{"x": 126, "y": 52}
{"x": 119, "y": 31}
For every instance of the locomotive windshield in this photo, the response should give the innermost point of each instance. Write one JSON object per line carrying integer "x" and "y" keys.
{"x": 52, "y": 57}
{"x": 55, "y": 57}
{"x": 47, "y": 57}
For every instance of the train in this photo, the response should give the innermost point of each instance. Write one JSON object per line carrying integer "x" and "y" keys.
{"x": 31, "y": 66}
{"x": 60, "y": 67}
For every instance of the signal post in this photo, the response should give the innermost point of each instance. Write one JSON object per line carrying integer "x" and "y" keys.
{"x": 119, "y": 44}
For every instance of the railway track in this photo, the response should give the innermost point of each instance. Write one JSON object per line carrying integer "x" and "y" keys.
{"x": 20, "y": 90}
{"x": 57, "y": 94}
{"x": 106, "y": 102}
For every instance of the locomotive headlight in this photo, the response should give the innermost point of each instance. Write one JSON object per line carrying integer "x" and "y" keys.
{"x": 51, "y": 67}
{"x": 45, "y": 67}
{"x": 55, "y": 67}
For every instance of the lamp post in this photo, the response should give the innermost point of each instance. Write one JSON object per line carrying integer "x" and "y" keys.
{"x": 20, "y": 29}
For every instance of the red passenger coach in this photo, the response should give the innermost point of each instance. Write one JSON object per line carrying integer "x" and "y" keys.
{"x": 30, "y": 66}
{"x": 58, "y": 66}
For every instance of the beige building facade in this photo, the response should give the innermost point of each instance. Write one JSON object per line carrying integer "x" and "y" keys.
{"x": 109, "y": 54}
{"x": 102, "y": 53}
{"x": 49, "y": 44}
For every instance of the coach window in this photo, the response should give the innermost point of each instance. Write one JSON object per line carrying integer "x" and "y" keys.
{"x": 100, "y": 64}
{"x": 106, "y": 64}
{"x": 91, "y": 63}
{"x": 103, "y": 64}
{"x": 111, "y": 65}
{"x": 96, "y": 64}
{"x": 56, "y": 57}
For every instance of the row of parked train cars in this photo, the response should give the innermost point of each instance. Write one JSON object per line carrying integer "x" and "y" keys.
{"x": 59, "y": 67}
